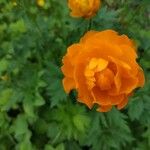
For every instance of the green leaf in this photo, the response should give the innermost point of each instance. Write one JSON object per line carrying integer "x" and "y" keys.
{"x": 28, "y": 106}
{"x": 20, "y": 125}
{"x": 39, "y": 101}
{"x": 60, "y": 147}
{"x": 25, "y": 145}
{"x": 57, "y": 93}
{"x": 147, "y": 135}
{"x": 81, "y": 122}
{"x": 55, "y": 87}
{"x": 48, "y": 147}
{"x": 5, "y": 96}
{"x": 41, "y": 126}
{"x": 3, "y": 65}
{"x": 18, "y": 26}
{"x": 136, "y": 108}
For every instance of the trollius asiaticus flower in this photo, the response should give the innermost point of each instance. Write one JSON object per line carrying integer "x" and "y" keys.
{"x": 102, "y": 68}
{"x": 83, "y": 8}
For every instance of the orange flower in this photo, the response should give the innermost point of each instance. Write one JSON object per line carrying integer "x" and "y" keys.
{"x": 83, "y": 8}
{"x": 102, "y": 67}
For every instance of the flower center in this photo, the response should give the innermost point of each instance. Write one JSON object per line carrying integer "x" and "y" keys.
{"x": 104, "y": 79}
{"x": 98, "y": 74}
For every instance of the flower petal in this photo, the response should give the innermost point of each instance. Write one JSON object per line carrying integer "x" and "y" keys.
{"x": 68, "y": 84}
{"x": 104, "y": 108}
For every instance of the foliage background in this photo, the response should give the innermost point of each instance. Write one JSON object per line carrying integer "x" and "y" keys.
{"x": 35, "y": 112}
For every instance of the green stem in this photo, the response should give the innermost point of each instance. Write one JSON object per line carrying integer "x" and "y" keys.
{"x": 89, "y": 24}
{"x": 56, "y": 137}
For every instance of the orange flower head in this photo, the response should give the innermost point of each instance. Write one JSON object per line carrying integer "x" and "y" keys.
{"x": 83, "y": 8}
{"x": 102, "y": 67}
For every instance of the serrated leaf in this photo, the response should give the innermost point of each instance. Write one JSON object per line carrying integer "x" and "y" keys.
{"x": 41, "y": 126}
{"x": 18, "y": 26}
{"x": 5, "y": 96}
{"x": 57, "y": 93}
{"x": 3, "y": 65}
{"x": 28, "y": 106}
{"x": 55, "y": 87}
{"x": 48, "y": 147}
{"x": 25, "y": 145}
{"x": 20, "y": 126}
{"x": 60, "y": 147}
{"x": 81, "y": 122}
{"x": 39, "y": 101}
{"x": 147, "y": 135}
{"x": 136, "y": 108}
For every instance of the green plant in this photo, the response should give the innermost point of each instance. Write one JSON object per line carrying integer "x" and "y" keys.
{"x": 35, "y": 112}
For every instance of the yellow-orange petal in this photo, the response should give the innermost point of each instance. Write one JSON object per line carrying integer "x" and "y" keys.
{"x": 128, "y": 85}
{"x": 67, "y": 67}
{"x": 104, "y": 108}
{"x": 68, "y": 84}
{"x": 86, "y": 99}
{"x": 123, "y": 103}
{"x": 84, "y": 95}
{"x": 87, "y": 36}
{"x": 73, "y": 51}
{"x": 116, "y": 99}
{"x": 100, "y": 97}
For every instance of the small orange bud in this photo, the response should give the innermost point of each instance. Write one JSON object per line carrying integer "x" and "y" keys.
{"x": 83, "y": 8}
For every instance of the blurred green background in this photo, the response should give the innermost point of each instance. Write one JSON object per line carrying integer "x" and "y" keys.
{"x": 35, "y": 112}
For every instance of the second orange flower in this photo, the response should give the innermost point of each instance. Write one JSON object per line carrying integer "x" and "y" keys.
{"x": 83, "y": 8}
